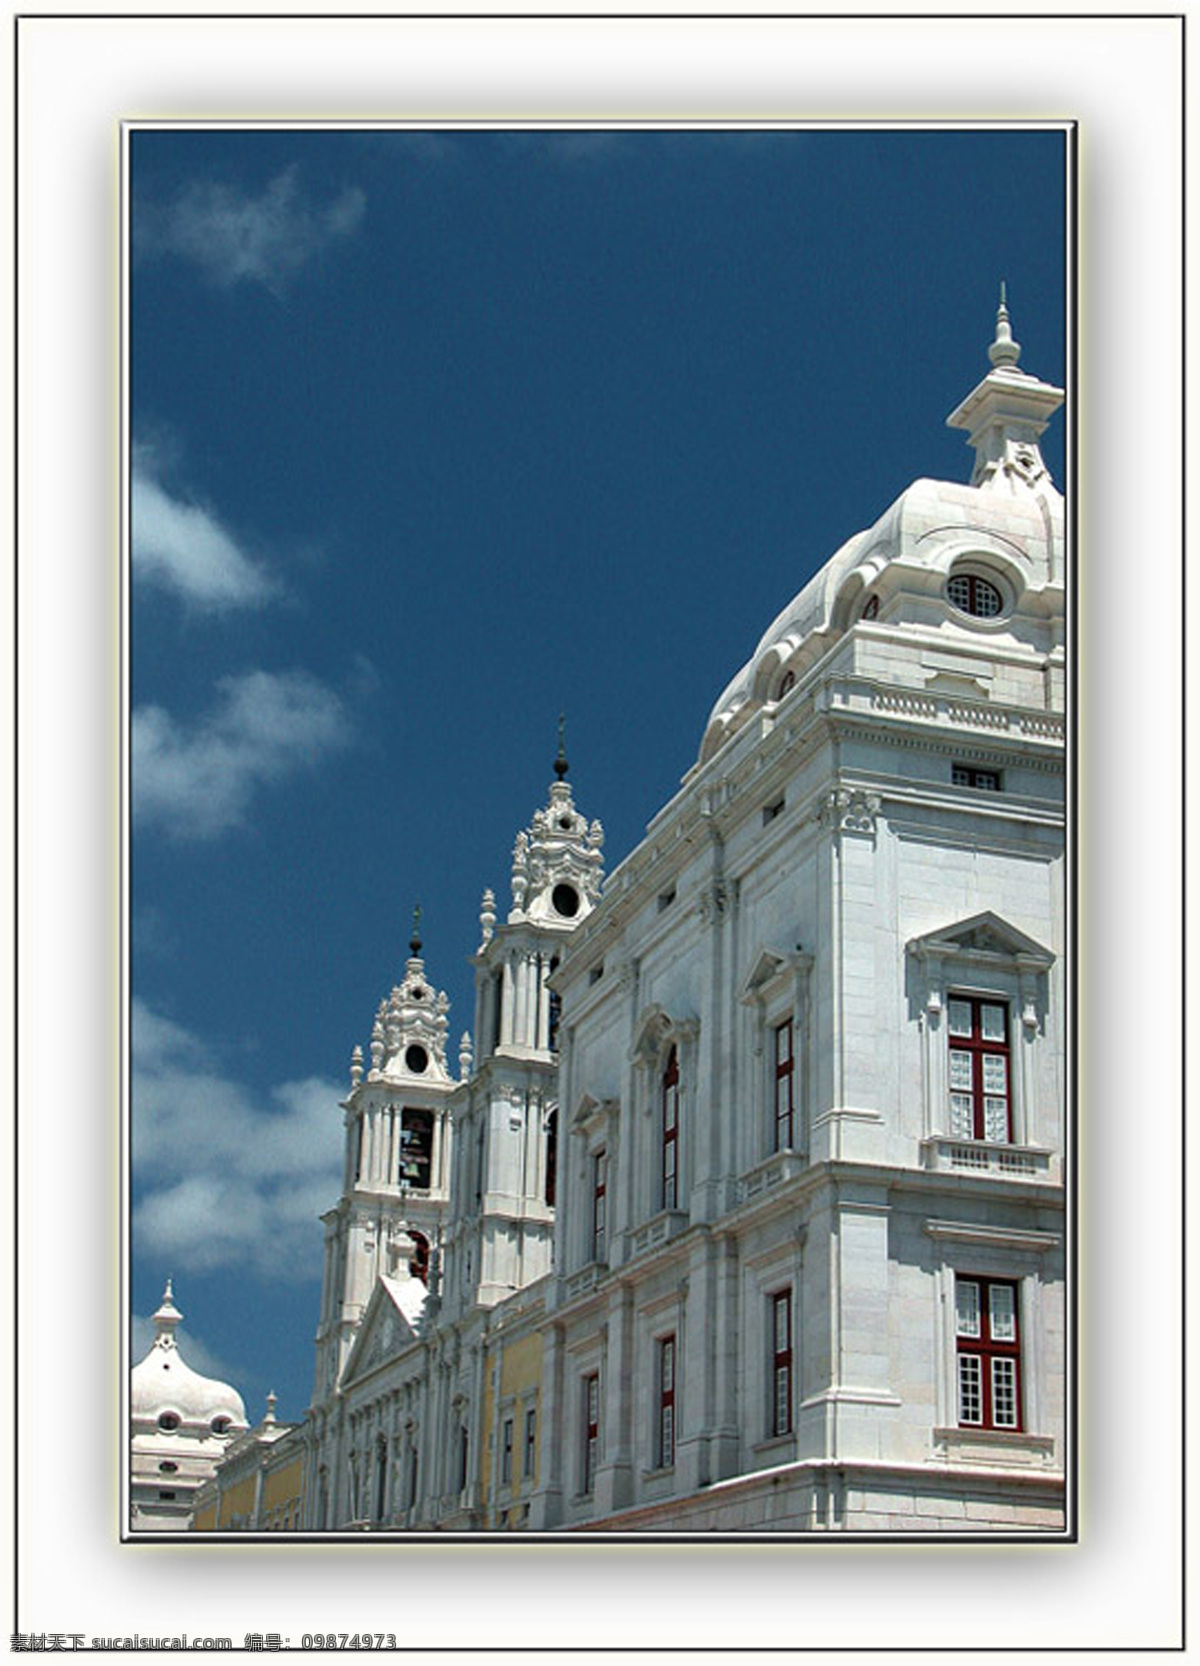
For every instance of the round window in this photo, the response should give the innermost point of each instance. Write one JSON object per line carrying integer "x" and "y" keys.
{"x": 974, "y": 595}
{"x": 416, "y": 1059}
{"x": 167, "y": 1468}
{"x": 168, "y": 1421}
{"x": 566, "y": 901}
{"x": 219, "y": 1425}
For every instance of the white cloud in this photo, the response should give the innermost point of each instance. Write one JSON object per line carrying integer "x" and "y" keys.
{"x": 195, "y": 782}
{"x": 228, "y": 1180}
{"x": 234, "y": 237}
{"x": 183, "y": 547}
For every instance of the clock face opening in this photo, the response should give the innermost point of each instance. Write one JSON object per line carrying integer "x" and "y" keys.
{"x": 566, "y": 901}
{"x": 416, "y": 1059}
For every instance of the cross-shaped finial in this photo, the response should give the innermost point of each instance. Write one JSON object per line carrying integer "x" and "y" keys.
{"x": 414, "y": 941}
{"x": 560, "y": 763}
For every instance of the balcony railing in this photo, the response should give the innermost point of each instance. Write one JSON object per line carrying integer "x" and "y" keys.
{"x": 1014, "y": 1162}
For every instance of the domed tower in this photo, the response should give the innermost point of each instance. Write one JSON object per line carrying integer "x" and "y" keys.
{"x": 501, "y": 1231}
{"x": 395, "y": 1180}
{"x": 180, "y": 1425}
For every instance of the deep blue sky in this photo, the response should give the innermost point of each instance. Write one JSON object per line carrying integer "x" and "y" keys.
{"x": 436, "y": 435}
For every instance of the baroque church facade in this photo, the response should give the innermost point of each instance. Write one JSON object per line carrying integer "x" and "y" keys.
{"x": 743, "y": 1209}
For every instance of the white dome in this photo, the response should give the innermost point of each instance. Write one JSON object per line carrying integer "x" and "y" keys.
{"x": 164, "y": 1383}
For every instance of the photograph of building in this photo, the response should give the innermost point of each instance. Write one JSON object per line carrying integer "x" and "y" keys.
{"x": 732, "y": 1196}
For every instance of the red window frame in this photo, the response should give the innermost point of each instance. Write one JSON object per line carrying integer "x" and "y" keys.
{"x": 988, "y": 1353}
{"x": 667, "y": 1362}
{"x": 781, "y": 1363}
{"x": 785, "y": 1097}
{"x": 599, "y": 1205}
{"x": 670, "y": 1132}
{"x": 971, "y": 1058}
{"x": 591, "y": 1429}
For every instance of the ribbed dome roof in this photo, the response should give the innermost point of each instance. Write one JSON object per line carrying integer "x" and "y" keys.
{"x": 164, "y": 1382}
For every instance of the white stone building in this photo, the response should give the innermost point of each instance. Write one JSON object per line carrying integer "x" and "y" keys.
{"x": 759, "y": 1153}
{"x": 180, "y": 1426}
{"x": 810, "y": 1250}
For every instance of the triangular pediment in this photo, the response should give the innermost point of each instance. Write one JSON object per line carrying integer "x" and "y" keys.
{"x": 984, "y": 936}
{"x": 388, "y": 1326}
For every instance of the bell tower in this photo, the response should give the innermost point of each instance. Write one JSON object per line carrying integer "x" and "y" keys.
{"x": 501, "y": 1230}
{"x": 396, "y": 1170}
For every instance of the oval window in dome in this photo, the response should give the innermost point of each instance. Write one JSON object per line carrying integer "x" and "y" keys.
{"x": 970, "y": 593}
{"x": 167, "y": 1468}
{"x": 566, "y": 901}
{"x": 416, "y": 1059}
{"x": 220, "y": 1425}
{"x": 168, "y": 1421}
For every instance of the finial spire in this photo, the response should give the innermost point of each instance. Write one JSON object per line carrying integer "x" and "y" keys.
{"x": 1004, "y": 350}
{"x": 414, "y": 941}
{"x": 560, "y": 763}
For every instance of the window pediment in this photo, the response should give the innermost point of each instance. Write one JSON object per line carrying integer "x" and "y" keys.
{"x": 653, "y": 1032}
{"x": 591, "y": 1113}
{"x": 770, "y": 972}
{"x": 984, "y": 938}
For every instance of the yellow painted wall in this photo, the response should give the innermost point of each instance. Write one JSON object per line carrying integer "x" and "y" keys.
{"x": 205, "y": 1520}
{"x": 237, "y": 1500}
{"x": 282, "y": 1485}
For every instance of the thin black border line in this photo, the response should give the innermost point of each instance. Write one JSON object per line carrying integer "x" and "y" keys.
{"x": 16, "y": 896}
{"x": 598, "y": 17}
{"x": 1183, "y": 776}
{"x": 1069, "y": 1534}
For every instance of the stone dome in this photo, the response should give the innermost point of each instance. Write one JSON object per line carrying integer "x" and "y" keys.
{"x": 1009, "y": 520}
{"x": 164, "y": 1385}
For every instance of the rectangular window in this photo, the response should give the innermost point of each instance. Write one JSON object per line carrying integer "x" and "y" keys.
{"x": 664, "y": 1454}
{"x": 506, "y": 1451}
{"x": 599, "y": 1205}
{"x": 989, "y": 1353}
{"x": 416, "y": 1148}
{"x": 785, "y": 1075}
{"x": 781, "y": 1363}
{"x": 591, "y": 1431}
{"x": 985, "y": 780}
{"x": 464, "y": 1454}
{"x": 670, "y": 1132}
{"x": 980, "y": 1098}
{"x": 413, "y": 1463}
{"x": 530, "y": 1443}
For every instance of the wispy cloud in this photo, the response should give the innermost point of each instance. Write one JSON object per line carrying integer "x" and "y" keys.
{"x": 194, "y": 782}
{"x": 229, "y": 1180}
{"x": 183, "y": 546}
{"x": 234, "y": 237}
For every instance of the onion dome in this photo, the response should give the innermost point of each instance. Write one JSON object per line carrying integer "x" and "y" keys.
{"x": 166, "y": 1391}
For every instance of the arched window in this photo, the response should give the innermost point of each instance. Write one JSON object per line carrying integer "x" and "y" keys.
{"x": 555, "y": 1011}
{"x": 380, "y": 1477}
{"x": 786, "y": 684}
{"x": 419, "y": 1265}
{"x": 551, "y": 1156}
{"x": 670, "y": 1132}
